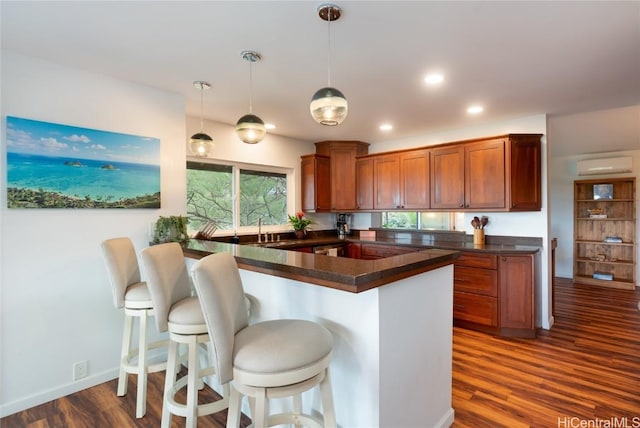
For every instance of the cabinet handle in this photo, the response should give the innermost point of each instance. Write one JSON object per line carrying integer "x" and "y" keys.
{"x": 461, "y": 206}
{"x": 504, "y": 259}
{"x": 458, "y": 306}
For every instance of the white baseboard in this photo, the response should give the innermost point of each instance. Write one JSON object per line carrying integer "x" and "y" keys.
{"x": 45, "y": 396}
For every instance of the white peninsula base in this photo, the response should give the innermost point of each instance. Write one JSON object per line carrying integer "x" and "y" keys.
{"x": 392, "y": 345}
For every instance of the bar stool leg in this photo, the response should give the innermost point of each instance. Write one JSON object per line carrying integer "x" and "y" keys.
{"x": 233, "y": 413}
{"x": 141, "y": 406}
{"x": 297, "y": 407}
{"x": 260, "y": 416}
{"x": 192, "y": 382}
{"x": 328, "y": 410}
{"x": 169, "y": 380}
{"x": 124, "y": 355}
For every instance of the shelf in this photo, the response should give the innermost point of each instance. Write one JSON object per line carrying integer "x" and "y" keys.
{"x": 589, "y": 233}
{"x": 615, "y": 283}
{"x": 607, "y": 262}
{"x": 622, "y": 244}
{"x": 604, "y": 200}
{"x": 606, "y": 219}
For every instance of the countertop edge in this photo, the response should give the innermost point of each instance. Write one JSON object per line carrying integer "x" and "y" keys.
{"x": 365, "y": 275}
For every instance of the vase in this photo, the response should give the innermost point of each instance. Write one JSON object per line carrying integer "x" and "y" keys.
{"x": 300, "y": 234}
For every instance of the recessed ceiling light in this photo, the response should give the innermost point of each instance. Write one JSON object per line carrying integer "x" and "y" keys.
{"x": 434, "y": 79}
{"x": 269, "y": 126}
{"x": 475, "y": 109}
{"x": 386, "y": 127}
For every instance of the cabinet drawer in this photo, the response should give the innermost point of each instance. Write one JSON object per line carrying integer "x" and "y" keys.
{"x": 370, "y": 251}
{"x": 478, "y": 260}
{"x": 478, "y": 281}
{"x": 474, "y": 308}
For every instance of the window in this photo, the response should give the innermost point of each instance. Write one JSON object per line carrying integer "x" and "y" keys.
{"x": 235, "y": 196}
{"x": 417, "y": 220}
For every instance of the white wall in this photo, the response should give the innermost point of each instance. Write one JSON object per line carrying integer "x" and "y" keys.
{"x": 562, "y": 173}
{"x": 56, "y": 304}
{"x": 56, "y": 301}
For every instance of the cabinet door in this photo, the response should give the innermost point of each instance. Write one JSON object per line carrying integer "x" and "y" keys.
{"x": 414, "y": 180}
{"x": 343, "y": 178}
{"x": 447, "y": 178}
{"x": 525, "y": 174}
{"x": 386, "y": 182}
{"x": 364, "y": 184}
{"x": 315, "y": 177}
{"x": 517, "y": 303}
{"x": 485, "y": 174}
{"x": 353, "y": 250}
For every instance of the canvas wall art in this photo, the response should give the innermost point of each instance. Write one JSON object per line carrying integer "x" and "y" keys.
{"x": 59, "y": 166}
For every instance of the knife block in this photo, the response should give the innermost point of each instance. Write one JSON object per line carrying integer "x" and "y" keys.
{"x": 478, "y": 236}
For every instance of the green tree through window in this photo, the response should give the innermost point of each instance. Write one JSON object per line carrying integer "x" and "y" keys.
{"x": 211, "y": 189}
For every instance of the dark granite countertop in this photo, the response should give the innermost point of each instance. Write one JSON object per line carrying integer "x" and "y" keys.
{"x": 341, "y": 273}
{"x": 423, "y": 243}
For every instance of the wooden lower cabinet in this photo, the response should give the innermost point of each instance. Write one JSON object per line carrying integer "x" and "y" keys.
{"x": 517, "y": 303}
{"x": 374, "y": 251}
{"x": 494, "y": 293}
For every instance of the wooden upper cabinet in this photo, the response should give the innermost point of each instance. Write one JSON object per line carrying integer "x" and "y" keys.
{"x": 525, "y": 172}
{"x": 414, "y": 179}
{"x": 342, "y": 156}
{"x": 364, "y": 183}
{"x": 484, "y": 181}
{"x": 447, "y": 177}
{"x": 316, "y": 189}
{"x": 386, "y": 182}
{"x": 498, "y": 174}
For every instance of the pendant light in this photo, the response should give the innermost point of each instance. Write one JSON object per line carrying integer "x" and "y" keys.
{"x": 201, "y": 144}
{"x": 250, "y": 128}
{"x": 328, "y": 105}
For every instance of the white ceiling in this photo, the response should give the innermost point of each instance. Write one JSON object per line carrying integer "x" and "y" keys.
{"x": 515, "y": 58}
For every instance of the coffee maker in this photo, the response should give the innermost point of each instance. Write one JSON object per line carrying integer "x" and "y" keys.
{"x": 343, "y": 224}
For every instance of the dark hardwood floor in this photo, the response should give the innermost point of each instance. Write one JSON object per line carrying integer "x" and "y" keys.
{"x": 586, "y": 368}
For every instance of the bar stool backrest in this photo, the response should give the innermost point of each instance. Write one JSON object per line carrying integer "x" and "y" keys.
{"x": 219, "y": 287}
{"x": 167, "y": 279}
{"x": 122, "y": 266}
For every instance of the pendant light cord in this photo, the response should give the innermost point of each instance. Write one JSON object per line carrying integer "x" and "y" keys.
{"x": 329, "y": 47}
{"x": 250, "y": 87}
{"x": 201, "y": 109}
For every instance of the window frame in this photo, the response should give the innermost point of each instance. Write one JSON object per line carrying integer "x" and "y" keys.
{"x": 235, "y": 191}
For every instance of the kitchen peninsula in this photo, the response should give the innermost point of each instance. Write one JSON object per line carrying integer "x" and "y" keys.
{"x": 391, "y": 320}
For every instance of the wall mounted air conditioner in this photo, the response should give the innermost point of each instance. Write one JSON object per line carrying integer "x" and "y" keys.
{"x": 604, "y": 166}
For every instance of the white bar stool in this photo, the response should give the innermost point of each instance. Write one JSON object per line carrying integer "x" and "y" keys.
{"x": 178, "y": 312}
{"x": 132, "y": 295}
{"x": 270, "y": 359}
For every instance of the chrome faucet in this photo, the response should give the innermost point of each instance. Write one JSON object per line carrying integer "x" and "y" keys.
{"x": 259, "y": 229}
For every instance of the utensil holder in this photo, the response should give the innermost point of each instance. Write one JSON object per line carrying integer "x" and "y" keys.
{"x": 478, "y": 236}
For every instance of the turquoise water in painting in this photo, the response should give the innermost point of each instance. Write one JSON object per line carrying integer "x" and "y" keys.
{"x": 79, "y": 178}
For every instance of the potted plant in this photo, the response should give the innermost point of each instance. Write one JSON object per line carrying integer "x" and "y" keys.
{"x": 170, "y": 229}
{"x": 299, "y": 223}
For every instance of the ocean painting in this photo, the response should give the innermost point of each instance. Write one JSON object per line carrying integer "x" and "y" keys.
{"x": 59, "y": 166}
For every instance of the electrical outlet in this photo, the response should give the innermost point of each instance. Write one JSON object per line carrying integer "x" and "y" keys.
{"x": 80, "y": 370}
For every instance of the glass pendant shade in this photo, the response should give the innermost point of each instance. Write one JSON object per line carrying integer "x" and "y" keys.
{"x": 328, "y": 106}
{"x": 250, "y": 128}
{"x": 201, "y": 144}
